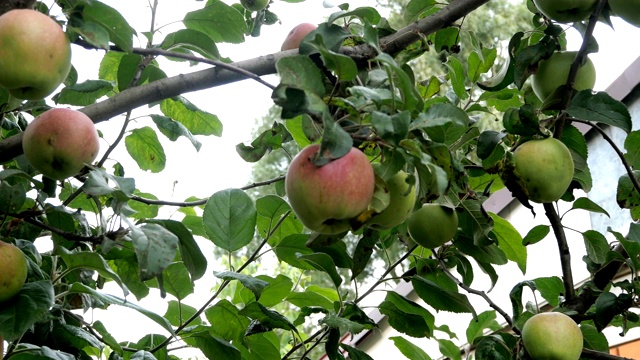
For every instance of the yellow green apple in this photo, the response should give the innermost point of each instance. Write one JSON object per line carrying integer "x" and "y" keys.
{"x": 254, "y": 5}
{"x": 566, "y": 11}
{"x": 544, "y": 168}
{"x": 35, "y": 55}
{"x": 325, "y": 198}
{"x": 402, "y": 198}
{"x": 432, "y": 225}
{"x": 552, "y": 336}
{"x": 59, "y": 142}
{"x": 13, "y": 271}
{"x": 627, "y": 10}
{"x": 554, "y": 71}
{"x": 296, "y": 35}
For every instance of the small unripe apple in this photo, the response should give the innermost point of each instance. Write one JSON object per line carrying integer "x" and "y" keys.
{"x": 566, "y": 11}
{"x": 325, "y": 198}
{"x": 59, "y": 142}
{"x": 627, "y": 10}
{"x": 35, "y": 54}
{"x": 402, "y": 198}
{"x": 552, "y": 336}
{"x": 544, "y": 168}
{"x": 295, "y": 36}
{"x": 554, "y": 72}
{"x": 432, "y": 225}
{"x": 13, "y": 271}
{"x": 254, "y": 5}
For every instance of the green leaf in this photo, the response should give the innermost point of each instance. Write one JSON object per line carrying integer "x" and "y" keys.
{"x": 478, "y": 325}
{"x": 193, "y": 40}
{"x": 190, "y": 252}
{"x": 107, "y": 338}
{"x": 601, "y": 108}
{"x": 309, "y": 298}
{"x": 277, "y": 290}
{"x": 145, "y": 148}
{"x": 597, "y": 246}
{"x": 173, "y": 130}
{"x": 178, "y": 312}
{"x": 550, "y": 288}
{"x": 268, "y": 318}
{"x": 536, "y": 234}
{"x": 289, "y": 248}
{"x": 26, "y": 308}
{"x": 493, "y": 348}
{"x": 176, "y": 281}
{"x": 510, "y": 242}
{"x": 593, "y": 338}
{"x": 449, "y": 349}
{"x": 215, "y": 348}
{"x": 408, "y": 349}
{"x": 585, "y": 203}
{"x": 354, "y": 353}
{"x": 407, "y": 316}
{"x": 323, "y": 262}
{"x": 444, "y": 123}
{"x": 255, "y": 285}
{"x": 225, "y": 320}
{"x": 78, "y": 288}
{"x": 91, "y": 261}
{"x": 457, "y": 77}
{"x": 155, "y": 248}
{"x": 83, "y": 94}
{"x": 221, "y": 22}
{"x": 120, "y": 32}
{"x": 342, "y": 66}
{"x": 229, "y": 219}
{"x": 411, "y": 99}
{"x": 440, "y": 298}
{"x": 416, "y": 9}
{"x": 197, "y": 121}
{"x": 11, "y": 197}
{"x": 632, "y": 145}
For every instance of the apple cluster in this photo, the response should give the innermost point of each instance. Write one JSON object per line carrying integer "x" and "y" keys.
{"x": 35, "y": 54}
{"x": 329, "y": 198}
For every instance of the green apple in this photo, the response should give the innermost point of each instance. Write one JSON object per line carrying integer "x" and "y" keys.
{"x": 627, "y": 10}
{"x": 552, "y": 336}
{"x": 432, "y": 225}
{"x": 566, "y": 11}
{"x": 13, "y": 271}
{"x": 544, "y": 169}
{"x": 554, "y": 72}
{"x": 59, "y": 142}
{"x": 325, "y": 198}
{"x": 402, "y": 198}
{"x": 296, "y": 35}
{"x": 35, "y": 55}
{"x": 254, "y": 5}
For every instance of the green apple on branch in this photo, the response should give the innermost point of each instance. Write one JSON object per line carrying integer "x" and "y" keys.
{"x": 552, "y": 336}
{"x": 295, "y": 36}
{"x": 13, "y": 271}
{"x": 35, "y": 54}
{"x": 554, "y": 72}
{"x": 59, "y": 142}
{"x": 566, "y": 11}
{"x": 402, "y": 199}
{"x": 254, "y": 5}
{"x": 326, "y": 198}
{"x": 544, "y": 168}
{"x": 432, "y": 225}
{"x": 627, "y": 10}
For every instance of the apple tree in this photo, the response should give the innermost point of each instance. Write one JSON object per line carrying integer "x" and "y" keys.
{"x": 352, "y": 86}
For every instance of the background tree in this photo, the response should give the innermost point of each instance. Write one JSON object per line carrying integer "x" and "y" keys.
{"x": 353, "y": 83}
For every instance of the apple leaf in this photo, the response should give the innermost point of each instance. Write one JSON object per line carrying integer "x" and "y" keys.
{"x": 229, "y": 219}
{"x": 484, "y": 320}
{"x": 219, "y": 21}
{"x": 254, "y": 284}
{"x": 323, "y": 262}
{"x": 29, "y": 306}
{"x": 440, "y": 298}
{"x": 600, "y": 107}
{"x": 268, "y": 318}
{"x": 407, "y": 316}
{"x": 155, "y": 248}
{"x": 226, "y": 321}
{"x": 119, "y": 30}
{"x": 550, "y": 288}
{"x": 510, "y": 241}
{"x": 145, "y": 148}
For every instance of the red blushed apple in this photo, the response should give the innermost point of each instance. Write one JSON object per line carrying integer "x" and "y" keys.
{"x": 295, "y": 36}
{"x": 59, "y": 142}
{"x": 326, "y": 197}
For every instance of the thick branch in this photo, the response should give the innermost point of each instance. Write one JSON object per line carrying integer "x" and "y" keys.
{"x": 263, "y": 65}
{"x": 563, "y": 249}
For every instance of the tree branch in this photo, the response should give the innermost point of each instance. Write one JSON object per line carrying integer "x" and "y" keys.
{"x": 263, "y": 65}
{"x": 563, "y": 249}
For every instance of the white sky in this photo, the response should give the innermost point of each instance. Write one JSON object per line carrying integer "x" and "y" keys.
{"x": 217, "y": 166}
